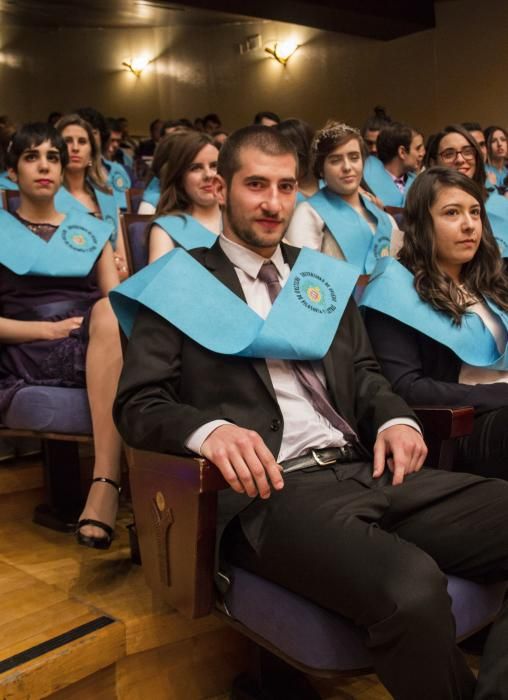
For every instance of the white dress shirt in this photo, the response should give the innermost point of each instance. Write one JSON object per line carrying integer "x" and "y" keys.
{"x": 304, "y": 427}
{"x": 307, "y": 228}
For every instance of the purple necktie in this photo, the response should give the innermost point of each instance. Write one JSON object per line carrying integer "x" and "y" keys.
{"x": 303, "y": 369}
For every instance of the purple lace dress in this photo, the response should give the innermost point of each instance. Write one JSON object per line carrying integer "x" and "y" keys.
{"x": 36, "y": 298}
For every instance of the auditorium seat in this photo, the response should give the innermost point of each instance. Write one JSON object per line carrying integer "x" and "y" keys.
{"x": 134, "y": 228}
{"x": 60, "y": 418}
{"x": 175, "y": 505}
{"x": 133, "y": 196}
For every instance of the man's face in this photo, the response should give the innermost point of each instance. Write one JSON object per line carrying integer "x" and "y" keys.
{"x": 115, "y": 138}
{"x": 266, "y": 121}
{"x": 260, "y": 200}
{"x": 370, "y": 139}
{"x": 479, "y": 137}
{"x": 413, "y": 158}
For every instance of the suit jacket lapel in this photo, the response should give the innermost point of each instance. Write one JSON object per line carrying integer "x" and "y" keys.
{"x": 220, "y": 266}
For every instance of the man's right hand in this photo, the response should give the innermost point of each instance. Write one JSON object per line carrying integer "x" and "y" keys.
{"x": 244, "y": 460}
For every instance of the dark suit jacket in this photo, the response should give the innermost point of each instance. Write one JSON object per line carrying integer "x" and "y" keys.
{"x": 423, "y": 371}
{"x": 170, "y": 385}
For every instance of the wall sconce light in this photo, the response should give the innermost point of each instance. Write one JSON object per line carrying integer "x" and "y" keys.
{"x": 283, "y": 51}
{"x": 137, "y": 65}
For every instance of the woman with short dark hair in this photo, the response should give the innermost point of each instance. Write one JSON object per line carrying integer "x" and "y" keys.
{"x": 57, "y": 327}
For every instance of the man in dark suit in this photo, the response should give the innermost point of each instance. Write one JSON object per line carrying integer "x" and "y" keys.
{"x": 351, "y": 522}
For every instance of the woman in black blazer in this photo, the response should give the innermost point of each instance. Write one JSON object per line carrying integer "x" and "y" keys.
{"x": 422, "y": 334}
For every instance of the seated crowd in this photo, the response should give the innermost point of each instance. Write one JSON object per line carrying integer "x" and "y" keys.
{"x": 304, "y": 409}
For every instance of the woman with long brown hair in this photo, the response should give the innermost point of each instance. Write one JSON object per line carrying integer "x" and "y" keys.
{"x": 84, "y": 185}
{"x": 438, "y": 319}
{"x": 187, "y": 213}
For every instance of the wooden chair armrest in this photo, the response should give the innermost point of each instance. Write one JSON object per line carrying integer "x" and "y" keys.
{"x": 445, "y": 422}
{"x": 175, "y": 507}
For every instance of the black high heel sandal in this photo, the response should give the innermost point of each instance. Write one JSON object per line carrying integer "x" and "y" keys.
{"x": 97, "y": 542}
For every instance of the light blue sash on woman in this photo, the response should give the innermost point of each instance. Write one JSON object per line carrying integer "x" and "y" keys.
{"x": 186, "y": 231}
{"x": 300, "y": 326}
{"x": 119, "y": 180}
{"x": 71, "y": 251}
{"x": 6, "y": 183}
{"x": 497, "y": 211}
{"x": 154, "y": 185}
{"x": 391, "y": 291}
{"x": 382, "y": 184}
{"x": 500, "y": 174}
{"x": 152, "y": 197}
{"x": 65, "y": 202}
{"x": 351, "y": 231}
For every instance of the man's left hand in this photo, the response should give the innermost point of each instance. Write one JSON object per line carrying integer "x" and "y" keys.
{"x": 402, "y": 448}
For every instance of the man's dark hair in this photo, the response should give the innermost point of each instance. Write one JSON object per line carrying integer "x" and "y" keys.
{"x": 300, "y": 134}
{"x": 391, "y": 137}
{"x": 171, "y": 123}
{"x": 31, "y": 135}
{"x": 377, "y": 121}
{"x": 263, "y": 138}
{"x": 96, "y": 120}
{"x": 472, "y": 126}
{"x": 258, "y": 118}
{"x": 212, "y": 117}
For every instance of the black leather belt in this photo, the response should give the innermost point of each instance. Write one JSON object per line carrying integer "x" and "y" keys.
{"x": 323, "y": 458}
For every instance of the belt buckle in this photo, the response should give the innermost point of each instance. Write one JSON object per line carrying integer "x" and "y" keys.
{"x": 322, "y": 462}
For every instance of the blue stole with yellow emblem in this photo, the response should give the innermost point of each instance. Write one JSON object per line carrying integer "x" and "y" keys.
{"x": 186, "y": 231}
{"x": 300, "y": 326}
{"x": 65, "y": 202}
{"x": 391, "y": 291}
{"x": 351, "y": 231}
{"x": 119, "y": 180}
{"x": 496, "y": 206}
{"x": 382, "y": 184}
{"x": 71, "y": 252}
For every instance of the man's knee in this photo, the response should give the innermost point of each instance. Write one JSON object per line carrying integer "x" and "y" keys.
{"x": 412, "y": 599}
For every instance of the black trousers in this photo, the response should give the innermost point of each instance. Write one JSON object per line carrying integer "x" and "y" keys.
{"x": 376, "y": 554}
{"x": 485, "y": 451}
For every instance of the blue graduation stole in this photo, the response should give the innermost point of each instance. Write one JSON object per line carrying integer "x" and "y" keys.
{"x": 71, "y": 251}
{"x": 152, "y": 197}
{"x": 65, "y": 202}
{"x": 351, "y": 231}
{"x": 186, "y": 231}
{"x": 154, "y": 184}
{"x": 6, "y": 183}
{"x": 391, "y": 291}
{"x": 300, "y": 326}
{"x": 119, "y": 180}
{"x": 382, "y": 184}
{"x": 497, "y": 212}
{"x": 500, "y": 174}
{"x": 300, "y": 197}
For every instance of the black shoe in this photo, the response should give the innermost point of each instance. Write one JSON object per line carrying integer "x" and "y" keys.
{"x": 97, "y": 542}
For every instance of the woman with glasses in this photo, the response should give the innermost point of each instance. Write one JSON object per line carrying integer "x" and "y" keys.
{"x": 438, "y": 317}
{"x": 497, "y": 152}
{"x": 455, "y": 148}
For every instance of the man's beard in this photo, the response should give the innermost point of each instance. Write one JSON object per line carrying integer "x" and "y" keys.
{"x": 247, "y": 234}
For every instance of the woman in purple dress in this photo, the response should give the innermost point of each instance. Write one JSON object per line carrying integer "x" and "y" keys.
{"x": 56, "y": 326}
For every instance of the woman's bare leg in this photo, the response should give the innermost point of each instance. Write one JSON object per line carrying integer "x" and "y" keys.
{"x": 103, "y": 365}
